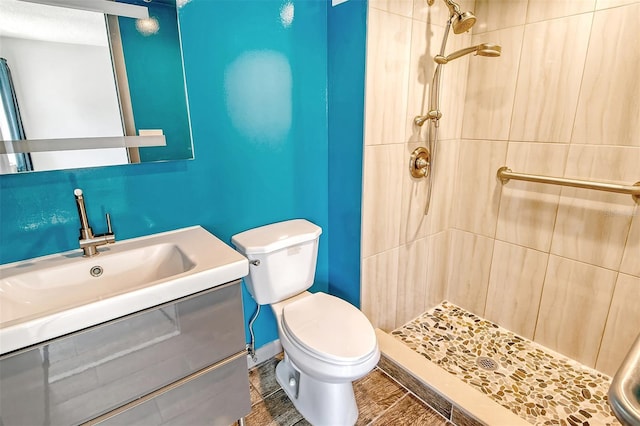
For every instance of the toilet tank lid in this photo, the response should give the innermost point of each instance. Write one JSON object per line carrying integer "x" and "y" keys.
{"x": 276, "y": 236}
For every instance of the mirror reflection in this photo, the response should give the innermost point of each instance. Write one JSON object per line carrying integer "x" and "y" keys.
{"x": 78, "y": 84}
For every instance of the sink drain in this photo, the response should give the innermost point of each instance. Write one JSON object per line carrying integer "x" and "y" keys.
{"x": 486, "y": 363}
{"x": 96, "y": 271}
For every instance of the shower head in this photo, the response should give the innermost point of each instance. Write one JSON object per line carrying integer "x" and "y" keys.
{"x": 484, "y": 49}
{"x": 488, "y": 49}
{"x": 462, "y": 22}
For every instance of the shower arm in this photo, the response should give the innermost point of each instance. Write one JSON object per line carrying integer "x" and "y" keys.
{"x": 441, "y": 59}
{"x": 454, "y": 8}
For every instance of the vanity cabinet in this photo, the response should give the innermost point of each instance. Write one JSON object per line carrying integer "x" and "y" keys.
{"x": 182, "y": 362}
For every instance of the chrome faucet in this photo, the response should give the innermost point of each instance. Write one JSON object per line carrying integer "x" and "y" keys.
{"x": 88, "y": 241}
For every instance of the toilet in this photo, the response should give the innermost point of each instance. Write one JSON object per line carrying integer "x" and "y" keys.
{"x": 327, "y": 342}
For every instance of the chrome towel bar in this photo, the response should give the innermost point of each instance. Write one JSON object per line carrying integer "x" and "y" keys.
{"x": 505, "y": 174}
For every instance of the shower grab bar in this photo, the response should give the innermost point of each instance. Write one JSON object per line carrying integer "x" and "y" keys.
{"x": 505, "y": 174}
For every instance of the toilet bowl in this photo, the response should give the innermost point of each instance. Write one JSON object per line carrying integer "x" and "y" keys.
{"x": 327, "y": 342}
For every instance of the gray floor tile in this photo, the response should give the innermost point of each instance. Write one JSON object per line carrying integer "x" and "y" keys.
{"x": 410, "y": 411}
{"x": 255, "y": 395}
{"x": 275, "y": 410}
{"x": 381, "y": 401}
{"x": 375, "y": 393}
{"x": 431, "y": 397}
{"x": 263, "y": 377}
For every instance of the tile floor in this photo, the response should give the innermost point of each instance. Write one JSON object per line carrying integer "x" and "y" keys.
{"x": 541, "y": 386}
{"x": 381, "y": 401}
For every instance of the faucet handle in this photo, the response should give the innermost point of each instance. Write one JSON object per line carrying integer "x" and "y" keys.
{"x": 109, "y": 229}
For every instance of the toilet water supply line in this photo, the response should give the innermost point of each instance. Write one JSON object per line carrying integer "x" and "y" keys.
{"x": 251, "y": 347}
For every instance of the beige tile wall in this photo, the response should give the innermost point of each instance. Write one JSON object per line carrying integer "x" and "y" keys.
{"x": 404, "y": 252}
{"x": 574, "y": 306}
{"x": 606, "y": 112}
{"x": 558, "y": 265}
{"x": 621, "y": 329}
{"x": 549, "y": 79}
{"x": 515, "y": 287}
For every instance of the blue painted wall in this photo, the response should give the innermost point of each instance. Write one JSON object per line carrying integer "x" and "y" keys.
{"x": 259, "y": 84}
{"x": 156, "y": 81}
{"x": 257, "y": 88}
{"x": 346, "y": 69}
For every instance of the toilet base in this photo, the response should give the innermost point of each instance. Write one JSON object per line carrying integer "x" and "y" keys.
{"x": 321, "y": 403}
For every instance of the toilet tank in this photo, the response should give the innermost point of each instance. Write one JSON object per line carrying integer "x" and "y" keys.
{"x": 287, "y": 253}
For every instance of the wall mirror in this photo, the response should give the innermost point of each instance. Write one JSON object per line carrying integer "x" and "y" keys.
{"x": 85, "y": 88}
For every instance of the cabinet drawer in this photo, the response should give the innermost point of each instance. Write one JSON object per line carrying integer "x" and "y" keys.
{"x": 219, "y": 396}
{"x": 78, "y": 377}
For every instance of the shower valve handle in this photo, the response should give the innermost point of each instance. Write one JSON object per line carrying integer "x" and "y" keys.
{"x": 420, "y": 163}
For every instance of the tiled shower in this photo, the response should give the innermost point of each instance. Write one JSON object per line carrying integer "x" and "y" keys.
{"x": 560, "y": 266}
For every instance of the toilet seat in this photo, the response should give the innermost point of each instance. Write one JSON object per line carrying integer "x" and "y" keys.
{"x": 330, "y": 329}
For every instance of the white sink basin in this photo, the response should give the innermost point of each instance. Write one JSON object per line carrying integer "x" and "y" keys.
{"x": 47, "y": 286}
{"x": 50, "y": 296}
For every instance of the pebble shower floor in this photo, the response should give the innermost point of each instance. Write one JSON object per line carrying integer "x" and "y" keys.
{"x": 535, "y": 383}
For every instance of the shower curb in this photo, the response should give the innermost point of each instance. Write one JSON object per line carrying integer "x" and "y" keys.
{"x": 457, "y": 401}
